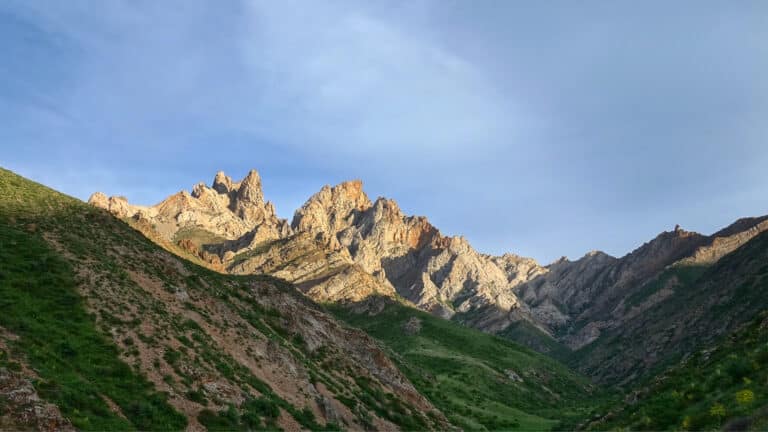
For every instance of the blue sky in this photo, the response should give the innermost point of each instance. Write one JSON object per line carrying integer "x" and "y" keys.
{"x": 540, "y": 128}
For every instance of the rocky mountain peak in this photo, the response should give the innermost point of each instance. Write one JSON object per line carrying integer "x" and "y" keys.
{"x": 222, "y": 183}
{"x": 595, "y": 257}
{"x": 249, "y": 189}
{"x": 387, "y": 208}
{"x": 352, "y": 191}
{"x": 98, "y": 199}
{"x": 562, "y": 260}
{"x": 328, "y": 211}
{"x": 227, "y": 210}
{"x": 117, "y": 205}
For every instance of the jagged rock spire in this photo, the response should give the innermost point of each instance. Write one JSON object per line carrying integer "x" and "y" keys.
{"x": 227, "y": 209}
{"x": 249, "y": 190}
{"x": 327, "y": 210}
{"x": 222, "y": 183}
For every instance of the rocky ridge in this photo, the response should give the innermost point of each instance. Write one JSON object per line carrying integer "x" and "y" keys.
{"x": 577, "y": 299}
{"x": 440, "y": 274}
{"x": 228, "y": 209}
{"x": 125, "y": 335}
{"x": 341, "y": 246}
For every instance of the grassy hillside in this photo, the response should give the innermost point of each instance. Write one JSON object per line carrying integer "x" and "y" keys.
{"x": 121, "y": 335}
{"x": 726, "y": 386}
{"x": 78, "y": 367}
{"x": 481, "y": 382}
{"x": 526, "y": 334}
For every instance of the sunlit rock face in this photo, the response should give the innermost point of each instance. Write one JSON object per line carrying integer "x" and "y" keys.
{"x": 229, "y": 210}
{"x": 441, "y": 274}
{"x": 340, "y": 246}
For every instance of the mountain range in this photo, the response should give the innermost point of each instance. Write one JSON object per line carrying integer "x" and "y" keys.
{"x": 353, "y": 315}
{"x": 343, "y": 247}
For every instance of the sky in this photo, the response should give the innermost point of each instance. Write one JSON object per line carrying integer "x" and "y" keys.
{"x": 545, "y": 129}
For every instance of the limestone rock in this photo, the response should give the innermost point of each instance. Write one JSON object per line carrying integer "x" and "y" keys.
{"x": 443, "y": 275}
{"x": 329, "y": 211}
{"x": 23, "y": 407}
{"x": 412, "y": 326}
{"x": 320, "y": 272}
{"x": 225, "y": 211}
{"x": 341, "y": 246}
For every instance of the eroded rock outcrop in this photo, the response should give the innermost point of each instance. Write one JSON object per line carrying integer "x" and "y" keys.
{"x": 324, "y": 274}
{"x": 341, "y": 246}
{"x": 226, "y": 211}
{"x": 440, "y": 274}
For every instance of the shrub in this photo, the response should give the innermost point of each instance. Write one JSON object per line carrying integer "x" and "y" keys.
{"x": 745, "y": 397}
{"x": 222, "y": 421}
{"x": 717, "y": 410}
{"x": 197, "y": 396}
{"x": 263, "y": 407}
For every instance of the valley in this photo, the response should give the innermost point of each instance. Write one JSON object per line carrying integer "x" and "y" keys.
{"x": 222, "y": 316}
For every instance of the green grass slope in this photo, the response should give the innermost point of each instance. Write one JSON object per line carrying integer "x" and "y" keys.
{"x": 39, "y": 303}
{"x": 715, "y": 388}
{"x": 481, "y": 382}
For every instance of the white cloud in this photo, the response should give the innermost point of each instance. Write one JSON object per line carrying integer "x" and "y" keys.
{"x": 347, "y": 77}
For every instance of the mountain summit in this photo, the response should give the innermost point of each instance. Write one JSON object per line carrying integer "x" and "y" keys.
{"x": 228, "y": 210}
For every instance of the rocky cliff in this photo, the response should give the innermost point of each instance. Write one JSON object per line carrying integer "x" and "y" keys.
{"x": 227, "y": 209}
{"x": 438, "y": 273}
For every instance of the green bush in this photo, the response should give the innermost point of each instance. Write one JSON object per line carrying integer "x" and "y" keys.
{"x": 222, "y": 421}
{"x": 197, "y": 396}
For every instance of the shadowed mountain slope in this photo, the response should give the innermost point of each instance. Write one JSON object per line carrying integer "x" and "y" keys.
{"x": 720, "y": 387}
{"x": 686, "y": 307}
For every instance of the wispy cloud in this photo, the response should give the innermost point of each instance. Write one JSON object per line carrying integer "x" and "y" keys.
{"x": 546, "y": 129}
{"x": 367, "y": 86}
